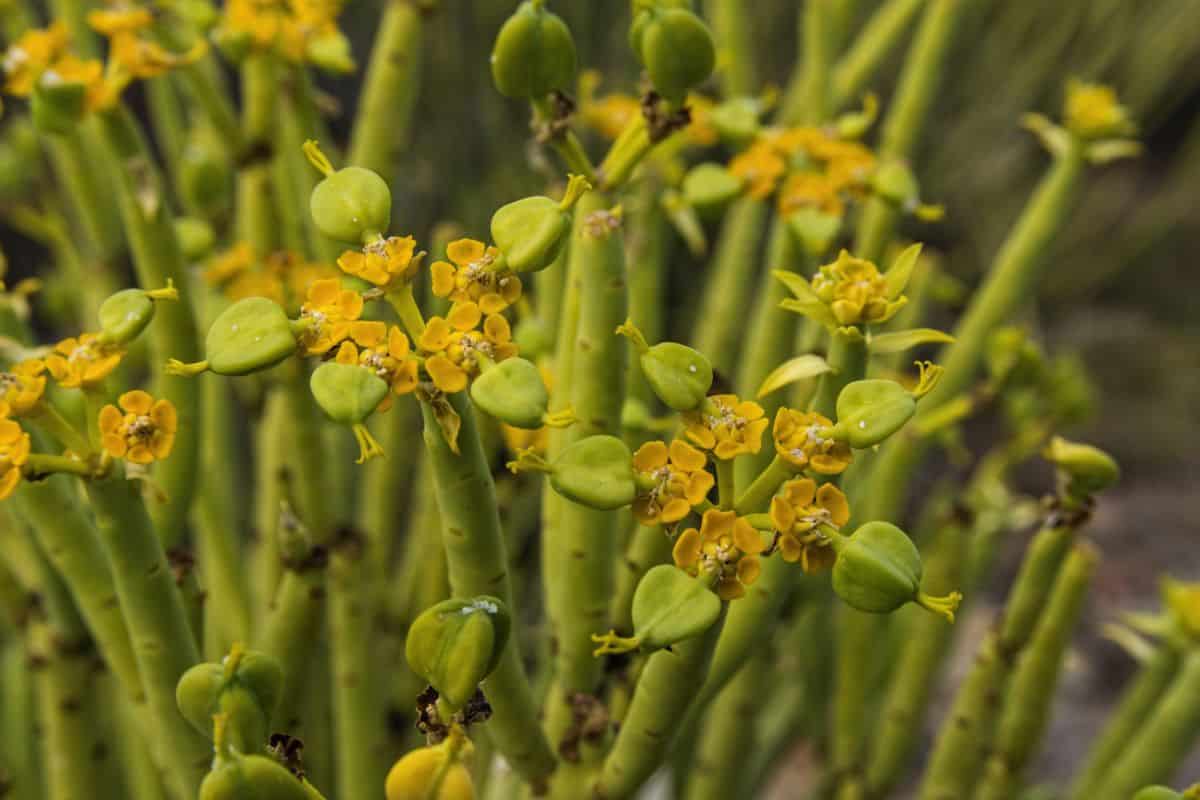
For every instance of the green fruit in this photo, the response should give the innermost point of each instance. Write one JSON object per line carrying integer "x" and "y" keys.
{"x": 679, "y": 375}
{"x": 197, "y": 694}
{"x": 1157, "y": 793}
{"x": 347, "y": 393}
{"x": 252, "y": 334}
{"x": 531, "y": 232}
{"x": 456, "y": 644}
{"x": 678, "y": 51}
{"x": 534, "y": 53}
{"x": 533, "y": 337}
{"x": 125, "y": 314}
{"x": 878, "y": 568}
{"x": 351, "y": 205}
{"x": 512, "y": 392}
{"x": 870, "y": 411}
{"x": 596, "y": 472}
{"x": 1088, "y": 469}
{"x": 196, "y": 237}
{"x": 710, "y": 186}
{"x": 669, "y": 606}
{"x": 253, "y": 778}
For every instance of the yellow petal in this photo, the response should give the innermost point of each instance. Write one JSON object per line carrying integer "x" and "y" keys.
{"x": 347, "y": 354}
{"x": 686, "y": 551}
{"x": 443, "y": 278}
{"x": 465, "y": 251}
{"x": 164, "y": 417}
{"x": 446, "y": 375}
{"x": 464, "y": 316}
{"x": 686, "y": 457}
{"x": 747, "y": 539}
{"x": 748, "y": 570}
{"x": 831, "y": 499}
{"x": 136, "y": 402}
{"x": 650, "y": 457}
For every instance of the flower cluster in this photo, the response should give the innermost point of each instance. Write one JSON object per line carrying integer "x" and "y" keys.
{"x": 301, "y": 31}
{"x": 475, "y": 274}
{"x": 41, "y": 54}
{"x": 142, "y": 430}
{"x": 83, "y": 361}
{"x": 798, "y": 511}
{"x": 823, "y": 170}
{"x": 727, "y": 426}
{"x": 22, "y": 387}
{"x": 383, "y": 261}
{"x": 330, "y": 313}
{"x": 14, "y": 452}
{"x": 455, "y": 344}
{"x": 386, "y": 352}
{"x": 803, "y": 441}
{"x": 726, "y": 548}
{"x": 674, "y": 481}
{"x": 855, "y": 291}
{"x": 283, "y": 276}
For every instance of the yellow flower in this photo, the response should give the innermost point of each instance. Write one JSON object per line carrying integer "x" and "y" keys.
{"x": 611, "y": 114}
{"x": 119, "y": 21}
{"x": 811, "y": 190}
{"x": 385, "y": 352}
{"x": 330, "y": 310}
{"x": 455, "y": 347}
{"x": 141, "y": 57}
{"x": 89, "y": 74}
{"x": 141, "y": 431}
{"x": 726, "y": 548}
{"x": 288, "y": 26}
{"x": 32, "y": 54}
{"x": 855, "y": 291}
{"x": 472, "y": 277}
{"x": 224, "y": 267}
{"x": 798, "y": 511}
{"x": 21, "y": 388}
{"x": 1093, "y": 112}
{"x": 383, "y": 261}
{"x": 84, "y": 361}
{"x": 679, "y": 481}
{"x": 14, "y": 452}
{"x": 761, "y": 167}
{"x": 798, "y": 440}
{"x": 727, "y": 426}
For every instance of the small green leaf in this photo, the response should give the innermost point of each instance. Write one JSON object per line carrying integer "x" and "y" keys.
{"x": 816, "y": 311}
{"x": 670, "y": 606}
{"x": 795, "y": 369}
{"x": 901, "y": 271}
{"x": 798, "y": 285}
{"x": 899, "y": 341}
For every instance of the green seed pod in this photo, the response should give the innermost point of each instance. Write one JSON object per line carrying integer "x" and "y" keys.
{"x": 125, "y": 314}
{"x": 534, "y": 53}
{"x": 1086, "y": 469}
{"x": 1157, "y": 793}
{"x": 456, "y": 644}
{"x": 669, "y": 606}
{"x": 262, "y": 676}
{"x": 678, "y": 375}
{"x": 710, "y": 186}
{"x": 245, "y": 691}
{"x": 197, "y": 694}
{"x": 894, "y": 181}
{"x": 413, "y": 776}
{"x": 253, "y": 777}
{"x": 533, "y": 337}
{"x": 736, "y": 120}
{"x": 196, "y": 237}
{"x": 251, "y": 335}
{"x": 878, "y": 569}
{"x": 531, "y": 232}
{"x": 351, "y": 205}
{"x": 642, "y": 17}
{"x": 677, "y": 50}
{"x": 347, "y": 393}
{"x": 512, "y": 392}
{"x": 596, "y": 471}
{"x": 869, "y": 411}
{"x": 57, "y": 105}
{"x": 331, "y": 52}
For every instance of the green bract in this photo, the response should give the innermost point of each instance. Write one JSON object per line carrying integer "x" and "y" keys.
{"x": 869, "y": 411}
{"x": 347, "y": 393}
{"x": 351, "y": 204}
{"x": 878, "y": 568}
{"x": 597, "y": 472}
{"x": 679, "y": 375}
{"x": 512, "y": 391}
{"x": 1087, "y": 469}
{"x": 531, "y": 232}
{"x": 125, "y": 314}
{"x": 456, "y": 644}
{"x": 677, "y": 50}
{"x": 250, "y": 335}
{"x": 534, "y": 53}
{"x": 710, "y": 186}
{"x": 669, "y": 606}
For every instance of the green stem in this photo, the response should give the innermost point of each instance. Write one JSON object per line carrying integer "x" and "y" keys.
{"x": 905, "y": 123}
{"x": 648, "y": 546}
{"x": 665, "y": 689}
{"x": 730, "y": 21}
{"x": 725, "y": 485}
{"x": 717, "y": 329}
{"x": 870, "y": 49}
{"x": 18, "y": 717}
{"x": 1029, "y": 698}
{"x": 478, "y": 564}
{"x": 149, "y": 227}
{"x": 719, "y": 768}
{"x": 288, "y": 634}
{"x": 384, "y": 116}
{"x": 818, "y": 53}
{"x": 848, "y": 357}
{"x": 151, "y": 604}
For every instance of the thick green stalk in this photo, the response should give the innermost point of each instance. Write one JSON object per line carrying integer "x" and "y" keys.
{"x": 1028, "y": 700}
{"x": 269, "y": 471}
{"x": 717, "y": 329}
{"x": 664, "y": 690}
{"x": 169, "y": 124}
{"x": 256, "y": 219}
{"x": 390, "y": 88}
{"x": 772, "y": 337}
{"x": 648, "y": 545}
{"x": 905, "y": 123}
{"x": 870, "y": 48}
{"x": 157, "y": 259}
{"x": 729, "y": 734}
{"x": 1137, "y": 704}
{"x": 589, "y": 536}
{"x": 967, "y": 734}
{"x": 288, "y": 633}
{"x": 478, "y": 564}
{"x": 158, "y": 625}
{"x": 730, "y": 21}
{"x": 1162, "y": 741}
{"x": 84, "y": 184}
{"x": 1010, "y": 281}
{"x": 819, "y": 45}
{"x": 927, "y": 640}
{"x": 21, "y": 772}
